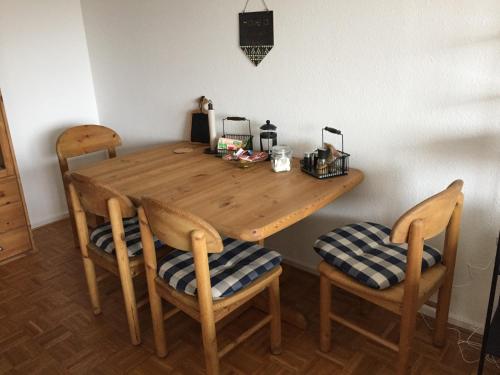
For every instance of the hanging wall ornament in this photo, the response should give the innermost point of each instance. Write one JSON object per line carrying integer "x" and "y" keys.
{"x": 256, "y": 33}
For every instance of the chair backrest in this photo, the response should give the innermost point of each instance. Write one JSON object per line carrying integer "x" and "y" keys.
{"x": 426, "y": 220}
{"x": 85, "y": 139}
{"x": 434, "y": 212}
{"x": 180, "y": 230}
{"x": 175, "y": 227}
{"x": 94, "y": 197}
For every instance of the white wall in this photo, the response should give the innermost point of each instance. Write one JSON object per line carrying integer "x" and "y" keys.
{"x": 414, "y": 85}
{"x": 47, "y": 85}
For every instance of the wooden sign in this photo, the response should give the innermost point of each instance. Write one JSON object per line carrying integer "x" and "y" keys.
{"x": 256, "y": 34}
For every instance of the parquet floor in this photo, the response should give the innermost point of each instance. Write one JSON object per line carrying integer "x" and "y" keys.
{"x": 47, "y": 327}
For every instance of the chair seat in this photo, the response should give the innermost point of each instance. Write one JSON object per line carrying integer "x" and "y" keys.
{"x": 237, "y": 266}
{"x": 390, "y": 298}
{"x": 102, "y": 237}
{"x": 364, "y": 252}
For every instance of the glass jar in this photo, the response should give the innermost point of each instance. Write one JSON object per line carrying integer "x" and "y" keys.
{"x": 281, "y": 158}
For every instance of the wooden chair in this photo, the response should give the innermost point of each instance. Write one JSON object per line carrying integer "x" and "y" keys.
{"x": 81, "y": 140}
{"x": 441, "y": 212}
{"x": 86, "y": 196}
{"x": 186, "y": 232}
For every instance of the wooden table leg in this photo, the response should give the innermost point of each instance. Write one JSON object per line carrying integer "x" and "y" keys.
{"x": 289, "y": 314}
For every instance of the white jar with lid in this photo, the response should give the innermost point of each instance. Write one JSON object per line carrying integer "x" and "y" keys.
{"x": 281, "y": 158}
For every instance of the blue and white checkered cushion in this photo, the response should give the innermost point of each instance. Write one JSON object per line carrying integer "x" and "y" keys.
{"x": 102, "y": 237}
{"x": 239, "y": 264}
{"x": 363, "y": 251}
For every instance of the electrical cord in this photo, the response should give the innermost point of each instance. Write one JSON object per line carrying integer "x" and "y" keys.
{"x": 470, "y": 267}
{"x": 468, "y": 342}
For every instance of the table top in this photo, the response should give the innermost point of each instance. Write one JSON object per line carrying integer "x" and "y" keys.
{"x": 245, "y": 203}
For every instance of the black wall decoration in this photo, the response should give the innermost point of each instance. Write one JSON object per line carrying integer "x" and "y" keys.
{"x": 256, "y": 33}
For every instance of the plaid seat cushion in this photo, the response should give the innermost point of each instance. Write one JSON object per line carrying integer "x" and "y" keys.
{"x": 364, "y": 252}
{"x": 239, "y": 264}
{"x": 102, "y": 237}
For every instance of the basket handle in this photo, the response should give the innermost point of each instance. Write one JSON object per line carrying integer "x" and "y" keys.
{"x": 334, "y": 131}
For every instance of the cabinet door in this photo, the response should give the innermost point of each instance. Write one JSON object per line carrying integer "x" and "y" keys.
{"x": 6, "y": 161}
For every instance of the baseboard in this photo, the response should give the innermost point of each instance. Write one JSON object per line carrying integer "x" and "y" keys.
{"x": 49, "y": 220}
{"x": 454, "y": 320}
{"x": 300, "y": 266}
{"x": 426, "y": 310}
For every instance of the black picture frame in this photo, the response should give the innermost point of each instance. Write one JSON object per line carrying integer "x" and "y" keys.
{"x": 256, "y": 34}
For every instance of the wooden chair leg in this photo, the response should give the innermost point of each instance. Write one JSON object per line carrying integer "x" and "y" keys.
{"x": 442, "y": 310}
{"x": 158, "y": 322}
{"x": 210, "y": 344}
{"x": 130, "y": 306}
{"x": 74, "y": 229}
{"x": 89, "y": 268}
{"x": 155, "y": 302}
{"x": 208, "y": 332}
{"x": 406, "y": 335}
{"x": 71, "y": 213}
{"x": 275, "y": 311}
{"x": 325, "y": 324}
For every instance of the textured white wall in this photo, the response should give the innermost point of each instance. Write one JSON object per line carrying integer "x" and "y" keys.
{"x": 47, "y": 85}
{"x": 414, "y": 85}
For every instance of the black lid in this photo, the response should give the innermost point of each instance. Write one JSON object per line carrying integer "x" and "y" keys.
{"x": 268, "y": 126}
{"x": 322, "y": 153}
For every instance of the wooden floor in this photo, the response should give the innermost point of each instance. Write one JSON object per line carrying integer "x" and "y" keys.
{"x": 47, "y": 327}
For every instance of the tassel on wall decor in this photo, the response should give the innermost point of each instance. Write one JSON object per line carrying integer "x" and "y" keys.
{"x": 256, "y": 33}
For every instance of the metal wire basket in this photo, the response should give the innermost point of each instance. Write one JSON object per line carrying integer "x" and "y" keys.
{"x": 339, "y": 166}
{"x": 247, "y": 139}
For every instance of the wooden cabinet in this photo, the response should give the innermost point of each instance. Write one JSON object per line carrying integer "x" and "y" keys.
{"x": 15, "y": 229}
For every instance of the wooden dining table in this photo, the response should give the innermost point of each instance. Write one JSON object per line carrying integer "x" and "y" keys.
{"x": 249, "y": 204}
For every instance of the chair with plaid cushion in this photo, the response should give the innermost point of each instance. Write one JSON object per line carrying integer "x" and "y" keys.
{"x": 394, "y": 269}
{"x": 114, "y": 246}
{"x": 206, "y": 276}
{"x": 78, "y": 141}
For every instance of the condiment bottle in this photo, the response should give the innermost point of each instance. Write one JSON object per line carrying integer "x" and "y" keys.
{"x": 307, "y": 161}
{"x": 321, "y": 166}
